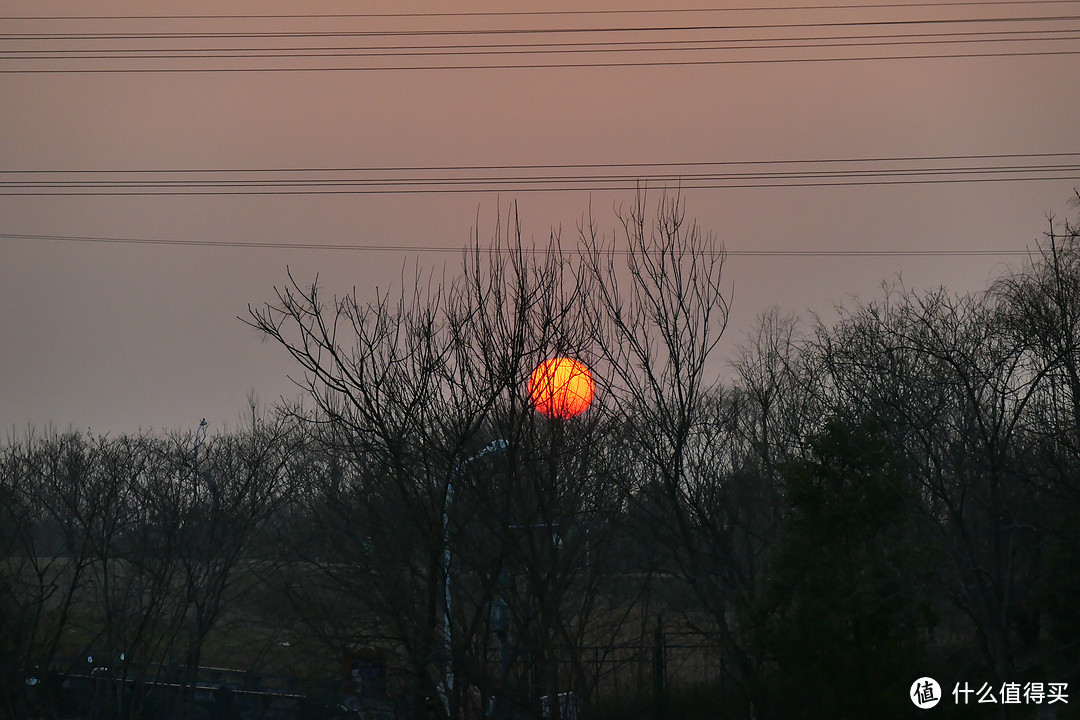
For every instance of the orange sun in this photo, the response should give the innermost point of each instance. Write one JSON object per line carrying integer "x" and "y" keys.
{"x": 561, "y": 388}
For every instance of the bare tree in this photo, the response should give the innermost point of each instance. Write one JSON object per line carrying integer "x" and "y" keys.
{"x": 237, "y": 484}
{"x": 1041, "y": 304}
{"x": 408, "y": 389}
{"x": 47, "y": 502}
{"x": 122, "y": 554}
{"x": 658, "y": 320}
{"x": 952, "y": 384}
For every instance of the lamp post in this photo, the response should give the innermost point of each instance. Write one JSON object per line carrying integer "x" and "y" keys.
{"x": 200, "y": 429}
{"x": 448, "y": 678}
{"x": 195, "y": 459}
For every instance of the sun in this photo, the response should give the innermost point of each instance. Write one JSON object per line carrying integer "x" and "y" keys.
{"x": 561, "y": 388}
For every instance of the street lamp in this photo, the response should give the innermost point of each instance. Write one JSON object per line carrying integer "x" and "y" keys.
{"x": 448, "y": 681}
{"x": 195, "y": 460}
{"x": 200, "y": 429}
{"x": 560, "y": 388}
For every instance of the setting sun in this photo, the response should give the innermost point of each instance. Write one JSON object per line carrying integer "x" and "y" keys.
{"x": 561, "y": 388}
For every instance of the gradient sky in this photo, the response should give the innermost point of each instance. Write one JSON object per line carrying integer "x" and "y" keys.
{"x": 122, "y": 336}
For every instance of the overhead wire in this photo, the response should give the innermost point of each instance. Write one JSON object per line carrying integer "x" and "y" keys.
{"x": 254, "y": 244}
{"x": 988, "y": 34}
{"x": 761, "y": 179}
{"x": 534, "y": 31}
{"x": 550, "y": 13}
{"x": 564, "y": 166}
{"x": 460, "y": 190}
{"x": 543, "y": 178}
{"x": 547, "y": 48}
{"x": 13, "y": 59}
{"x": 540, "y": 66}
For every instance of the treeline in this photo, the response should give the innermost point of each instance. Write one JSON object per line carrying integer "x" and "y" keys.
{"x": 118, "y": 556}
{"x": 853, "y": 506}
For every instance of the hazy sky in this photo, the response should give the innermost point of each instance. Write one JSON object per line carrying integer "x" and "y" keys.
{"x": 118, "y": 336}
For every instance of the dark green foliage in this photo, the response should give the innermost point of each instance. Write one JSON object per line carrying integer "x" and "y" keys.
{"x": 844, "y": 618}
{"x": 1059, "y": 587}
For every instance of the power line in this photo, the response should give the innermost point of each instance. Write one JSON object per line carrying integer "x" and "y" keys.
{"x": 458, "y": 191}
{"x": 548, "y": 13}
{"x": 534, "y": 31}
{"x": 593, "y": 46}
{"x": 776, "y": 175}
{"x": 448, "y": 249}
{"x": 670, "y": 175}
{"x": 635, "y": 44}
{"x": 562, "y": 181}
{"x": 538, "y": 49}
{"x": 567, "y": 166}
{"x": 541, "y": 66}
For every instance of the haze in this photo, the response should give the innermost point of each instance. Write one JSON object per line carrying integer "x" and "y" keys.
{"x": 118, "y": 336}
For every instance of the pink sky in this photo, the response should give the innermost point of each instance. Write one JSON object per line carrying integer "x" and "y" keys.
{"x": 118, "y": 336}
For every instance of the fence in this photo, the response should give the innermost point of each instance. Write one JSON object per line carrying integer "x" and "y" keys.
{"x": 664, "y": 659}
{"x": 668, "y": 660}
